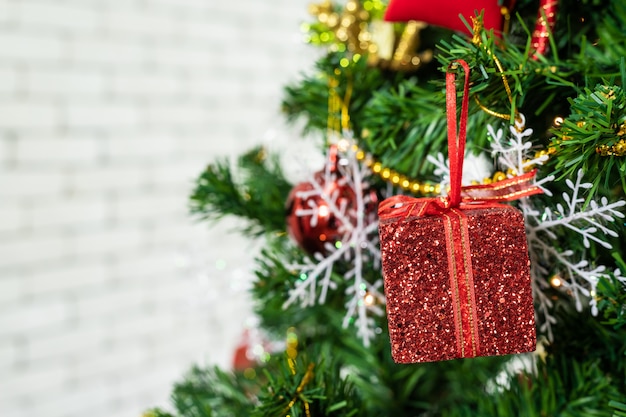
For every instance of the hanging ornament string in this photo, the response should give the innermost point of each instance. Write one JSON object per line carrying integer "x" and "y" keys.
{"x": 339, "y": 120}
{"x": 456, "y": 142}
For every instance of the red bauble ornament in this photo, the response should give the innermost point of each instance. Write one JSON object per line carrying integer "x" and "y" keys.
{"x": 546, "y": 19}
{"x": 314, "y": 230}
{"x": 242, "y": 357}
{"x": 446, "y": 13}
{"x": 312, "y": 218}
{"x": 253, "y": 346}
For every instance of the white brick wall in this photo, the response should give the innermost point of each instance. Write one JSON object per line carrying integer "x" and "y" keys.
{"x": 109, "y": 291}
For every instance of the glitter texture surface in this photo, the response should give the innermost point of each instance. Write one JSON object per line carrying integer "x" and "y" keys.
{"x": 428, "y": 311}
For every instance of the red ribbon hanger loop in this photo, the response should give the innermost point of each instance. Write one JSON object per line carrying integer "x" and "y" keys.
{"x": 456, "y": 142}
{"x": 487, "y": 195}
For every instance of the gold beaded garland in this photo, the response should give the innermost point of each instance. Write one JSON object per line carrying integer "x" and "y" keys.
{"x": 499, "y": 175}
{"x": 395, "y": 177}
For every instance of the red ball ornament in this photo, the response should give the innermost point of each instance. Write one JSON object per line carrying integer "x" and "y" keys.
{"x": 242, "y": 357}
{"x": 251, "y": 350}
{"x": 546, "y": 19}
{"x": 445, "y": 13}
{"x": 312, "y": 219}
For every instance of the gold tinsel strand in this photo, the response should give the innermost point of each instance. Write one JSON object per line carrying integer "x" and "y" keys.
{"x": 292, "y": 353}
{"x": 477, "y": 28}
{"x": 305, "y": 380}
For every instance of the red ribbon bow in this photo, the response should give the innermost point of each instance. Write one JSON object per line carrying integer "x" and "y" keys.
{"x": 474, "y": 196}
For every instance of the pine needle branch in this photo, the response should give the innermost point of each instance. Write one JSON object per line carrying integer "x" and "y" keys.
{"x": 256, "y": 194}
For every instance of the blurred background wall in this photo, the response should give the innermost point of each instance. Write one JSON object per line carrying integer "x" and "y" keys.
{"x": 109, "y": 290}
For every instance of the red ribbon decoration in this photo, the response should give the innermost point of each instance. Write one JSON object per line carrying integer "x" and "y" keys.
{"x": 450, "y": 208}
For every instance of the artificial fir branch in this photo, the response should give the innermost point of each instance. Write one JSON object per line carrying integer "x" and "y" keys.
{"x": 396, "y": 120}
{"x": 611, "y": 34}
{"x": 251, "y": 193}
{"x": 275, "y": 279}
{"x": 210, "y": 392}
{"x": 620, "y": 408}
{"x": 597, "y": 121}
{"x": 578, "y": 377}
{"x": 304, "y": 388}
{"x": 308, "y": 98}
{"x": 568, "y": 389}
{"x": 612, "y": 299}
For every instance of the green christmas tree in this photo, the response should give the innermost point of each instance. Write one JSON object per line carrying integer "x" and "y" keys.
{"x": 547, "y": 97}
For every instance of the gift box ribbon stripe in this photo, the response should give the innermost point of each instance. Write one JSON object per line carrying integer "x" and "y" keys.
{"x": 462, "y": 283}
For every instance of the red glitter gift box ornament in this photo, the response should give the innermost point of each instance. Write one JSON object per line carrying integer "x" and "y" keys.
{"x": 456, "y": 268}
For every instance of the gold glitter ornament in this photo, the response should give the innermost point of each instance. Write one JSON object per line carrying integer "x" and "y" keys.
{"x": 359, "y": 29}
{"x": 341, "y": 27}
{"x": 617, "y": 149}
{"x": 406, "y": 57}
{"x": 397, "y": 51}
